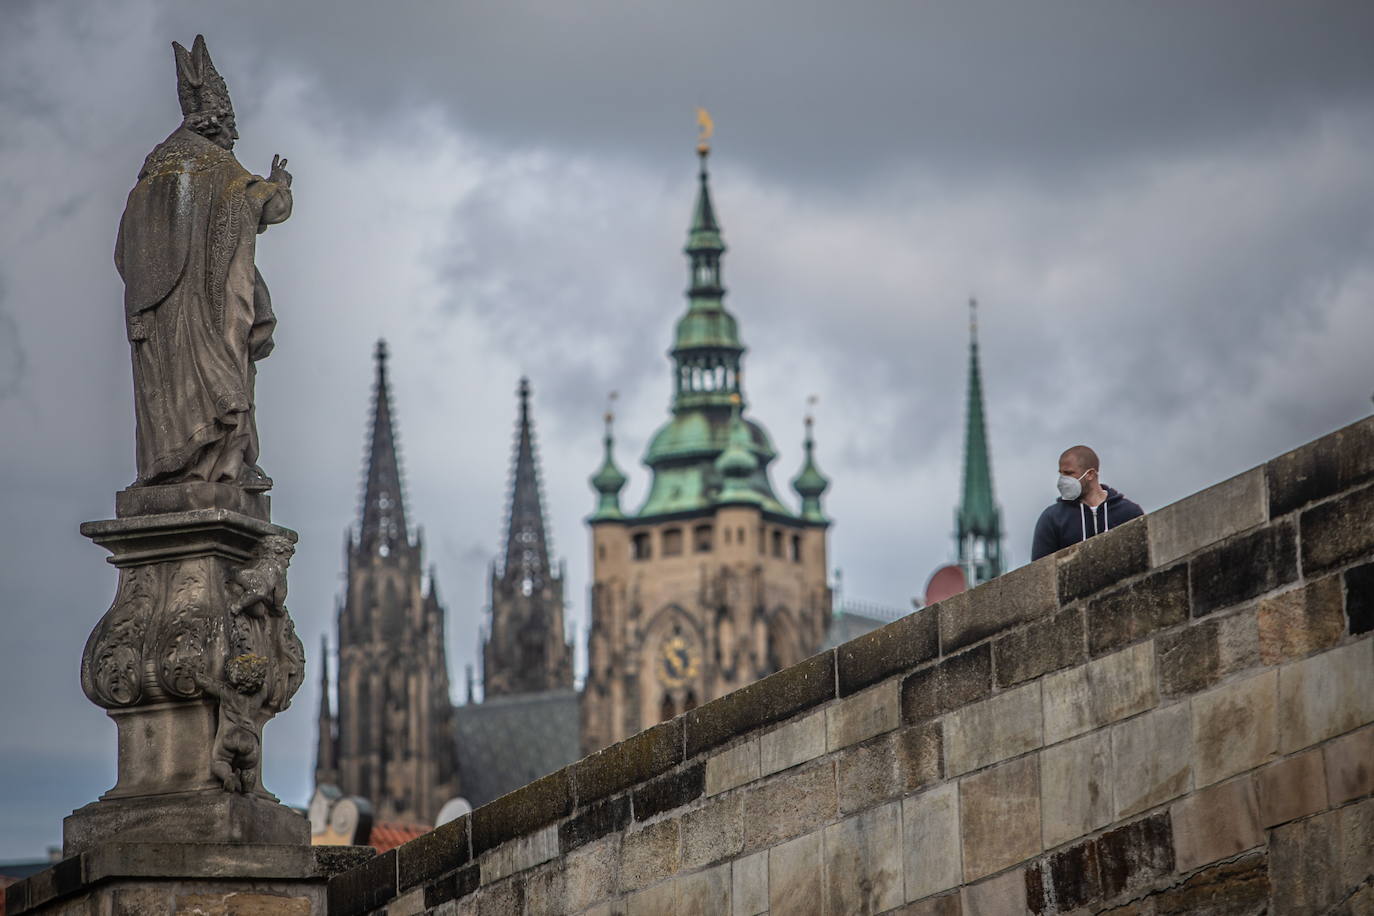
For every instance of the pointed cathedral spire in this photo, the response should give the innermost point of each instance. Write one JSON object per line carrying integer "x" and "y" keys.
{"x": 383, "y": 523}
{"x": 527, "y": 551}
{"x": 326, "y": 761}
{"x": 978, "y": 520}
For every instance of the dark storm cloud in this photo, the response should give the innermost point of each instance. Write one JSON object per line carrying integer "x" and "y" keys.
{"x": 831, "y": 91}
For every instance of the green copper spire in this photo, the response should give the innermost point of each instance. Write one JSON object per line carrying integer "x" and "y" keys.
{"x": 810, "y": 483}
{"x": 708, "y": 388}
{"x": 978, "y": 520}
{"x": 608, "y": 481}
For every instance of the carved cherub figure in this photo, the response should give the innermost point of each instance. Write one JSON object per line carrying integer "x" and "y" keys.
{"x": 263, "y": 582}
{"x": 241, "y": 695}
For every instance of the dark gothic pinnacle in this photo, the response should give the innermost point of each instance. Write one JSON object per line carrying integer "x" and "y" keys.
{"x": 383, "y": 521}
{"x": 527, "y": 550}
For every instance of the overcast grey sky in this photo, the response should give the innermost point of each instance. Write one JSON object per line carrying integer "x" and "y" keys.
{"x": 1166, "y": 211}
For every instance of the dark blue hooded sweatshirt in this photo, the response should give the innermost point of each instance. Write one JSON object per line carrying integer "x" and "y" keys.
{"x": 1068, "y": 521}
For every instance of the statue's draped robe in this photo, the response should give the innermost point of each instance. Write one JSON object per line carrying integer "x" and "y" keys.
{"x": 197, "y": 311}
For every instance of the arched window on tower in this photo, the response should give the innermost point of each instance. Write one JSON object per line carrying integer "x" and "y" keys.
{"x": 639, "y": 546}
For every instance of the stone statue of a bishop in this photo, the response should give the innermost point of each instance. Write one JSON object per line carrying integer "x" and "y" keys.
{"x": 197, "y": 311}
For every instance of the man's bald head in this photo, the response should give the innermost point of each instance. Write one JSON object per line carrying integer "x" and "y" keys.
{"x": 1081, "y": 457}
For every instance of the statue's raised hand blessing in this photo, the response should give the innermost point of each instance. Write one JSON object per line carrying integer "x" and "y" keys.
{"x": 279, "y": 173}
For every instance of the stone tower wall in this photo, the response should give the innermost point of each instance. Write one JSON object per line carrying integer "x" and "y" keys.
{"x": 1172, "y": 717}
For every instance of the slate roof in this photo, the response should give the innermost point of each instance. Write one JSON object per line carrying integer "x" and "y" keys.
{"x": 509, "y": 741}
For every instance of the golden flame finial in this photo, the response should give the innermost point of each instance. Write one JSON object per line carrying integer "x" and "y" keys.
{"x": 708, "y": 127}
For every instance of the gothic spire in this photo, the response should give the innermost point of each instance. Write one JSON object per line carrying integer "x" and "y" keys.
{"x": 978, "y": 519}
{"x": 527, "y": 551}
{"x": 383, "y": 524}
{"x": 325, "y": 761}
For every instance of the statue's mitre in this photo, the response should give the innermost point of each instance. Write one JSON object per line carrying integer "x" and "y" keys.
{"x": 199, "y": 85}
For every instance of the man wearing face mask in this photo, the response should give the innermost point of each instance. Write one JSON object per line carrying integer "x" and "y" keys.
{"x": 1085, "y": 507}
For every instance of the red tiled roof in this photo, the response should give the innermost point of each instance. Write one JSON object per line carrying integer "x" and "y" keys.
{"x": 386, "y": 836}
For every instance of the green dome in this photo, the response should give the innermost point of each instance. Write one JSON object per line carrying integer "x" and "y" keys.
{"x": 707, "y": 326}
{"x": 703, "y": 434}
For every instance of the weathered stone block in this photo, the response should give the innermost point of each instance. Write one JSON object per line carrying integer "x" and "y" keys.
{"x": 1075, "y": 788}
{"x": 1335, "y": 462}
{"x": 1244, "y": 567}
{"x": 749, "y": 885}
{"x": 788, "y": 805}
{"x": 1359, "y": 598}
{"x": 1300, "y": 621}
{"x": 1239, "y": 888}
{"x": 1337, "y": 532}
{"x": 442, "y": 849}
{"x": 734, "y": 767}
{"x": 519, "y": 854}
{"x": 1235, "y": 727}
{"x": 411, "y": 903}
{"x": 775, "y": 698}
{"x": 1291, "y": 788}
{"x": 1218, "y": 512}
{"x": 1041, "y": 647}
{"x": 794, "y": 877}
{"x": 795, "y": 743}
{"x": 1004, "y": 895}
{"x": 862, "y": 715}
{"x": 1215, "y": 823}
{"x": 1196, "y": 657}
{"x": 1326, "y": 695}
{"x": 364, "y": 888}
{"x": 672, "y": 790}
{"x": 649, "y": 855}
{"x": 888, "y": 650}
{"x": 1103, "y": 561}
{"x": 999, "y": 813}
{"x": 643, "y": 756}
{"x": 1099, "y": 693}
{"x": 706, "y": 893}
{"x": 713, "y": 832}
{"x": 593, "y": 822}
{"x": 930, "y": 840}
{"x": 1151, "y": 759}
{"x": 890, "y": 766}
{"x": 1008, "y": 724}
{"x": 655, "y": 901}
{"x": 1025, "y": 593}
{"x": 944, "y": 905}
{"x": 1130, "y": 613}
{"x": 1125, "y": 859}
{"x": 451, "y": 887}
{"x": 863, "y": 862}
{"x": 1350, "y": 766}
{"x": 1316, "y": 862}
{"x": 523, "y": 811}
{"x": 956, "y": 681}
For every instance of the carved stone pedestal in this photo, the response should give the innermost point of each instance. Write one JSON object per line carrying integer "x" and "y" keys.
{"x": 193, "y": 658}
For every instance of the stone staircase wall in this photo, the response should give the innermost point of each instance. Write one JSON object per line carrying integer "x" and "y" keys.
{"x": 1173, "y": 717}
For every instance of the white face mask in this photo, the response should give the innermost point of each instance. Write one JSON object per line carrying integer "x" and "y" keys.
{"x": 1071, "y": 487}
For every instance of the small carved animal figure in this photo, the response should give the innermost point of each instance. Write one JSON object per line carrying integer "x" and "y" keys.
{"x": 236, "y": 755}
{"x": 264, "y": 581}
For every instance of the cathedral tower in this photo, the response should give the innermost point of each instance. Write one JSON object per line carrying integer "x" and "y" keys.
{"x": 526, "y": 650}
{"x": 978, "y": 521}
{"x": 714, "y": 582}
{"x": 393, "y": 741}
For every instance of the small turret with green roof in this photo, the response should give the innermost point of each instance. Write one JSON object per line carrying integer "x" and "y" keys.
{"x": 608, "y": 481}
{"x": 810, "y": 483}
{"x": 737, "y": 464}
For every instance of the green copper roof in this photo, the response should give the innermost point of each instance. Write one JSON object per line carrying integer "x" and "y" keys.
{"x": 810, "y": 483}
{"x": 608, "y": 482}
{"x": 978, "y": 519}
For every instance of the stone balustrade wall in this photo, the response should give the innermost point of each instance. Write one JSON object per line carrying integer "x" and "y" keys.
{"x": 1173, "y": 717}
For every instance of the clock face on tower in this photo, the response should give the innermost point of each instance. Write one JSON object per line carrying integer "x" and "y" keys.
{"x": 678, "y": 661}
